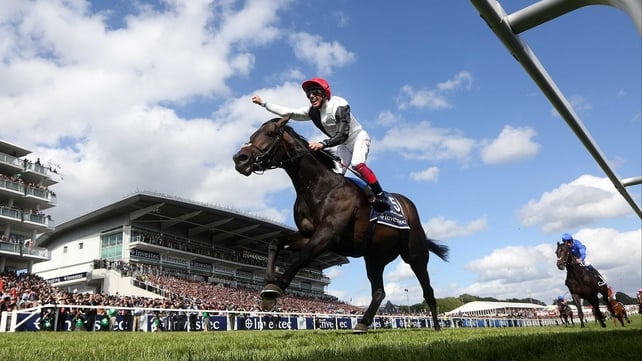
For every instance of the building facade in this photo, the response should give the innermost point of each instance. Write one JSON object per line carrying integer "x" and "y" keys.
{"x": 25, "y": 196}
{"x": 113, "y": 248}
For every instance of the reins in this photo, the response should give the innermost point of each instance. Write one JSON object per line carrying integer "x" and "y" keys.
{"x": 264, "y": 160}
{"x": 341, "y": 164}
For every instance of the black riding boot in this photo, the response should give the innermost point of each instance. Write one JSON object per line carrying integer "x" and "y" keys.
{"x": 380, "y": 203}
{"x": 600, "y": 279}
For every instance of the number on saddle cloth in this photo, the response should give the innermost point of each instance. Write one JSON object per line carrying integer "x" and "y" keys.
{"x": 392, "y": 217}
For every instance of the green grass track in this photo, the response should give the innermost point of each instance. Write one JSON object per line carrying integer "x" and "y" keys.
{"x": 528, "y": 343}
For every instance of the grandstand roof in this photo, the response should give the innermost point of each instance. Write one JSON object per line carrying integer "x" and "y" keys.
{"x": 12, "y": 149}
{"x": 476, "y": 306}
{"x": 225, "y": 228}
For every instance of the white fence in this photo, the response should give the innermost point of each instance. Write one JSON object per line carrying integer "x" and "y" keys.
{"x": 48, "y": 317}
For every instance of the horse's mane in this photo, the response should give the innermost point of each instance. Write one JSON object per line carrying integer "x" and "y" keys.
{"x": 321, "y": 156}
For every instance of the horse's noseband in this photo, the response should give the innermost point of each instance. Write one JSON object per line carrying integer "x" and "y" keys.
{"x": 263, "y": 161}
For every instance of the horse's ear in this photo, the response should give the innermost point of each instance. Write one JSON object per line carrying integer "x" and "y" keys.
{"x": 283, "y": 121}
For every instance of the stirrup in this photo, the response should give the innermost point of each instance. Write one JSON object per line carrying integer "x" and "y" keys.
{"x": 380, "y": 204}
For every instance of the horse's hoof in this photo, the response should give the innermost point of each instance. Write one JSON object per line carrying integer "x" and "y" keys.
{"x": 271, "y": 291}
{"x": 360, "y": 329}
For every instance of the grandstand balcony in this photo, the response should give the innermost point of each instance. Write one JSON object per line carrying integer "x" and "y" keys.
{"x": 23, "y": 250}
{"x": 43, "y": 174}
{"x": 11, "y": 188}
{"x": 41, "y": 195}
{"x": 10, "y": 164}
{"x": 38, "y": 220}
{"x": 11, "y": 214}
{"x": 27, "y": 196}
{"x": 15, "y": 216}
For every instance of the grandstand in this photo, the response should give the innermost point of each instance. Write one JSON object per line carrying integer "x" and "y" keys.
{"x": 495, "y": 309}
{"x": 24, "y": 196}
{"x": 112, "y": 249}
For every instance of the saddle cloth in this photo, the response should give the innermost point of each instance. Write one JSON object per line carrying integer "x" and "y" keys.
{"x": 393, "y": 217}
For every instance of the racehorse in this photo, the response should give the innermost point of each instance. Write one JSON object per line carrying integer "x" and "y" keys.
{"x": 581, "y": 284}
{"x": 332, "y": 214}
{"x": 619, "y": 312}
{"x": 566, "y": 313}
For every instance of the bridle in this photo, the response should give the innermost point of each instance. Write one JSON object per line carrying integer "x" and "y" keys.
{"x": 560, "y": 259}
{"x": 264, "y": 160}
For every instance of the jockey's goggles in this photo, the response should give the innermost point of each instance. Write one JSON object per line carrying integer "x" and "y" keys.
{"x": 314, "y": 92}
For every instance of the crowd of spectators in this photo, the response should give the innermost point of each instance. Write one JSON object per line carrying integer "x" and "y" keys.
{"x": 21, "y": 291}
{"x": 16, "y": 183}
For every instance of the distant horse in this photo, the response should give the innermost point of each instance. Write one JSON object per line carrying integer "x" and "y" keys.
{"x": 566, "y": 313}
{"x": 581, "y": 284}
{"x": 332, "y": 214}
{"x": 619, "y": 312}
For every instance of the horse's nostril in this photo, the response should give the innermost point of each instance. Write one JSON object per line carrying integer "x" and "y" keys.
{"x": 240, "y": 158}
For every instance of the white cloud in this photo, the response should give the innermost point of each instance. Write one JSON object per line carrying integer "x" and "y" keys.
{"x": 583, "y": 201}
{"x": 426, "y": 98}
{"x": 422, "y": 141}
{"x": 402, "y": 271}
{"x": 97, "y": 100}
{"x": 463, "y": 79}
{"x": 324, "y": 56}
{"x": 427, "y": 175}
{"x": 442, "y": 228}
{"x": 511, "y": 144}
{"x": 386, "y": 118}
{"x": 433, "y": 99}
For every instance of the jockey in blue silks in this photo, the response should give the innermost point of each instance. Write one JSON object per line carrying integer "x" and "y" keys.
{"x": 578, "y": 249}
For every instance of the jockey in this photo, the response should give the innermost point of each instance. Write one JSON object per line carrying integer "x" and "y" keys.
{"x": 611, "y": 293}
{"x": 332, "y": 115}
{"x": 578, "y": 249}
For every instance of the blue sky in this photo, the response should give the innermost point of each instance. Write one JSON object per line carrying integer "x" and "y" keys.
{"x": 128, "y": 96}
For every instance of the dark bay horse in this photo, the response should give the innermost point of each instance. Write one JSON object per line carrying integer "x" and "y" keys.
{"x": 566, "y": 313}
{"x": 332, "y": 214}
{"x": 581, "y": 284}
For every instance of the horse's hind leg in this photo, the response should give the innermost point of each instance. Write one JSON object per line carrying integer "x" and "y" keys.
{"x": 374, "y": 269}
{"x": 420, "y": 268}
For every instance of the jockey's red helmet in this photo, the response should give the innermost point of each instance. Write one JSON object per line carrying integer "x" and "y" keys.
{"x": 317, "y": 83}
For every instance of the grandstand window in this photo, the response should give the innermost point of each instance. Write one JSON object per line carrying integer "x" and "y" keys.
{"x": 111, "y": 245}
{"x": 80, "y": 245}
{"x": 64, "y": 250}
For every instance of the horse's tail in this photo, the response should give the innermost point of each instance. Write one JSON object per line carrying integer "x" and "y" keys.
{"x": 439, "y": 249}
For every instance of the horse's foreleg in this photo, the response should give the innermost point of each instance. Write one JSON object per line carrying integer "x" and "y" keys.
{"x": 578, "y": 304}
{"x": 273, "y": 287}
{"x": 273, "y": 252}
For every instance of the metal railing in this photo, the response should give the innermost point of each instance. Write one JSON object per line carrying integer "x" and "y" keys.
{"x": 508, "y": 26}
